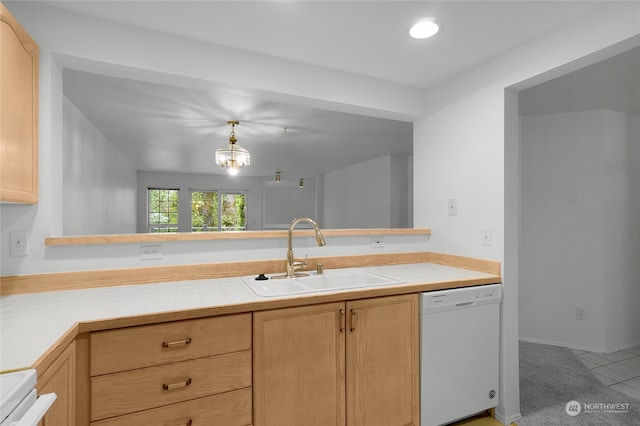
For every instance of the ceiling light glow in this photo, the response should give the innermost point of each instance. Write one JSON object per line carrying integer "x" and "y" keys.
{"x": 424, "y": 29}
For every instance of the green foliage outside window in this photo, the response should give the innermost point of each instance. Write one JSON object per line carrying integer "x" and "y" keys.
{"x": 233, "y": 218}
{"x": 163, "y": 210}
{"x": 204, "y": 211}
{"x": 205, "y": 215}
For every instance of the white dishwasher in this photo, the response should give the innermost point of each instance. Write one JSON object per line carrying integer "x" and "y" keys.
{"x": 459, "y": 350}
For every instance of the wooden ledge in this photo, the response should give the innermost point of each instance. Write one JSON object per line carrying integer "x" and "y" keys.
{"x": 231, "y": 235}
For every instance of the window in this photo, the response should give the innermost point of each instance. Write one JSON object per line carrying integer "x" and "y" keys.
{"x": 204, "y": 211}
{"x": 217, "y": 211}
{"x": 163, "y": 210}
{"x": 233, "y": 212}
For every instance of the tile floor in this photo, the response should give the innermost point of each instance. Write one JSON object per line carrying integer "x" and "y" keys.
{"x": 618, "y": 370}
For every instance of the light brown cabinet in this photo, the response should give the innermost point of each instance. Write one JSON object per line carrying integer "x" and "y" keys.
{"x": 354, "y": 363}
{"x": 183, "y": 372}
{"x": 19, "y": 65}
{"x": 60, "y": 378}
{"x": 299, "y": 366}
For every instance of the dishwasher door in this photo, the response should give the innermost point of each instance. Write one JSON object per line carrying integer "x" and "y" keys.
{"x": 459, "y": 350}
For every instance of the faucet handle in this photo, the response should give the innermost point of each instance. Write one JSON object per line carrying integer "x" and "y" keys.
{"x": 301, "y": 264}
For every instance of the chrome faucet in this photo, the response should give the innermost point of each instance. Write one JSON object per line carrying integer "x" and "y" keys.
{"x": 296, "y": 265}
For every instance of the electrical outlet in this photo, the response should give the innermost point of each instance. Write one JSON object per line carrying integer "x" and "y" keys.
{"x": 151, "y": 252}
{"x": 19, "y": 243}
{"x": 580, "y": 313}
{"x": 377, "y": 242}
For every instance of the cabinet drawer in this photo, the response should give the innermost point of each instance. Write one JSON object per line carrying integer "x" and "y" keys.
{"x": 148, "y": 345}
{"x": 228, "y": 409}
{"x": 127, "y": 392}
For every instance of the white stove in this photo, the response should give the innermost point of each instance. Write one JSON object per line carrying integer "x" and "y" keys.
{"x": 19, "y": 403}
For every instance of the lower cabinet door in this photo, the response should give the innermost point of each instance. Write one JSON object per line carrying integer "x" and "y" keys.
{"x": 299, "y": 366}
{"x": 227, "y": 409}
{"x": 383, "y": 374}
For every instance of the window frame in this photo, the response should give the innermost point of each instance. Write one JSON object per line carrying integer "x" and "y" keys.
{"x": 221, "y": 193}
{"x": 168, "y": 227}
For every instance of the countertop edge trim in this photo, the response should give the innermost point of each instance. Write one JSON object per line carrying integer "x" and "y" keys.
{"x": 278, "y": 303}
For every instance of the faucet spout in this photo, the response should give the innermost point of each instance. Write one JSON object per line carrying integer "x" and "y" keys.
{"x": 292, "y": 264}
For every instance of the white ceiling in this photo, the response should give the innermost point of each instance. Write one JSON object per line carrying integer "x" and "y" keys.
{"x": 175, "y": 129}
{"x": 156, "y": 126}
{"x": 363, "y": 37}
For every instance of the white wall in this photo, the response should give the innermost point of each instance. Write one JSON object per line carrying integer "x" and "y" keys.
{"x": 577, "y": 220}
{"x": 401, "y": 191}
{"x": 99, "y": 182}
{"x": 286, "y": 200}
{"x": 468, "y": 140}
{"x": 371, "y": 194}
{"x": 621, "y": 241}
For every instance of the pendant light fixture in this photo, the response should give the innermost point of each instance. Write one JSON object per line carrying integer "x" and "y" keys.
{"x": 301, "y": 183}
{"x": 232, "y": 157}
{"x": 278, "y": 176}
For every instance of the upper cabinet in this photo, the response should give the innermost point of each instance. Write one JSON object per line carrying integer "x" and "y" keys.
{"x": 18, "y": 112}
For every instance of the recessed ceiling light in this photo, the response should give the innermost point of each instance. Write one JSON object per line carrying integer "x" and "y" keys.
{"x": 425, "y": 28}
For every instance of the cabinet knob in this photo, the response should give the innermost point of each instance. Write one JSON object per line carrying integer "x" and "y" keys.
{"x": 188, "y": 423}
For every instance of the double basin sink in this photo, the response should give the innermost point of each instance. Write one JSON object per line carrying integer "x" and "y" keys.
{"x": 330, "y": 280}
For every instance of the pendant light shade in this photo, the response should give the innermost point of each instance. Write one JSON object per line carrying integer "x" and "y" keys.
{"x": 232, "y": 157}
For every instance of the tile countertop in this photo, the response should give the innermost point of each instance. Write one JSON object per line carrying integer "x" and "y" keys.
{"x": 30, "y": 324}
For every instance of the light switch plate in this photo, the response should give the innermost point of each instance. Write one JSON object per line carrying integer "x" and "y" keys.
{"x": 19, "y": 244}
{"x": 453, "y": 206}
{"x": 485, "y": 237}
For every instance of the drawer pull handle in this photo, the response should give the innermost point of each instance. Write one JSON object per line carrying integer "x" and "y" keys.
{"x": 178, "y": 385}
{"x": 175, "y": 343}
{"x": 188, "y": 423}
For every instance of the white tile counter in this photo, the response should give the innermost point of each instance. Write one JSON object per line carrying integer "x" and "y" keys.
{"x": 31, "y": 323}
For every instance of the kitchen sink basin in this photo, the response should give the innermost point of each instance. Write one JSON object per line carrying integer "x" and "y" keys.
{"x": 330, "y": 280}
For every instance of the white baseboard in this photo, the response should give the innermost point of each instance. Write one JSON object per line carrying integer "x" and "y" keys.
{"x": 509, "y": 420}
{"x": 625, "y": 346}
{"x": 581, "y": 347}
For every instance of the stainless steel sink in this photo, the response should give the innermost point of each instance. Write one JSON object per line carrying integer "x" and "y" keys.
{"x": 330, "y": 280}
